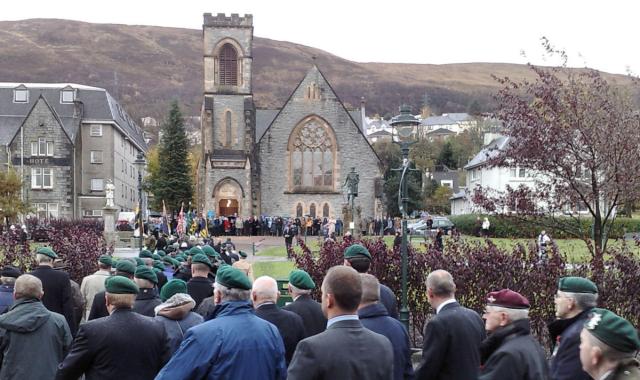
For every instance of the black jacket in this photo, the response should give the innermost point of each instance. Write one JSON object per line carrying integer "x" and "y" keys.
{"x": 311, "y": 313}
{"x": 511, "y": 352}
{"x": 199, "y": 288}
{"x": 57, "y": 293}
{"x": 376, "y": 318}
{"x": 98, "y": 307}
{"x": 345, "y": 351}
{"x": 123, "y": 346}
{"x": 146, "y": 301}
{"x": 451, "y": 345}
{"x": 565, "y": 361}
{"x": 289, "y": 325}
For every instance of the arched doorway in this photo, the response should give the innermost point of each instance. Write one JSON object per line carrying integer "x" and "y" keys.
{"x": 228, "y": 198}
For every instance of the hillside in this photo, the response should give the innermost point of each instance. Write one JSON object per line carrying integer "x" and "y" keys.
{"x": 145, "y": 67}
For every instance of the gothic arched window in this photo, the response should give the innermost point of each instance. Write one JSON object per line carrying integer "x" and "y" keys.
{"x": 325, "y": 210}
{"x": 299, "y": 210}
{"x": 312, "y": 210}
{"x": 228, "y": 66}
{"x": 227, "y": 121}
{"x": 312, "y": 149}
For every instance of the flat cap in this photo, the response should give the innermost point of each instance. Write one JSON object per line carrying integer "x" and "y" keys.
{"x": 301, "y": 280}
{"x": 106, "y": 260}
{"x": 613, "y": 330}
{"x": 202, "y": 259}
{"x": 146, "y": 273}
{"x": 47, "y": 251}
{"x": 507, "y": 298}
{"x": 120, "y": 285}
{"x": 232, "y": 278}
{"x": 125, "y": 266}
{"x": 10, "y": 271}
{"x": 356, "y": 250}
{"x": 145, "y": 253}
{"x": 171, "y": 288}
{"x": 577, "y": 285}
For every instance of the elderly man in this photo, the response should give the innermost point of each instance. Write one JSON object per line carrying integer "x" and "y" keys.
{"x": 125, "y": 268}
{"x": 236, "y": 344}
{"x": 56, "y": 286}
{"x": 264, "y": 296}
{"x": 375, "y": 317}
{"x": 124, "y": 345}
{"x": 94, "y": 283}
{"x": 148, "y": 297}
{"x": 608, "y": 346}
{"x": 175, "y": 312}
{"x": 8, "y": 276}
{"x": 31, "y": 331}
{"x": 452, "y": 338}
{"x": 300, "y": 287}
{"x": 575, "y": 299}
{"x": 359, "y": 258}
{"x": 346, "y": 350}
{"x": 510, "y": 352}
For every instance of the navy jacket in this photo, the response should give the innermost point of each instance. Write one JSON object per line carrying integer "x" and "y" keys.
{"x": 98, "y": 307}
{"x": 311, "y": 313}
{"x": 122, "y": 346}
{"x": 565, "y": 361}
{"x": 6, "y": 298}
{"x": 199, "y": 288}
{"x": 389, "y": 300}
{"x": 451, "y": 345}
{"x": 146, "y": 302}
{"x": 376, "y": 318}
{"x": 289, "y": 325}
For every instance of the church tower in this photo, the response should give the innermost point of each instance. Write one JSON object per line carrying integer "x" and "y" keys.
{"x": 228, "y": 116}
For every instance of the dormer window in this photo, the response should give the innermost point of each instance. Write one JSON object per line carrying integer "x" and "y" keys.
{"x": 67, "y": 95}
{"x": 21, "y": 95}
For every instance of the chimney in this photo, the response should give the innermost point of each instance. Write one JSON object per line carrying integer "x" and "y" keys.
{"x": 362, "y": 116}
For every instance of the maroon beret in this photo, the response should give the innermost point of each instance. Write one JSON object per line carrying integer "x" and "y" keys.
{"x": 507, "y": 298}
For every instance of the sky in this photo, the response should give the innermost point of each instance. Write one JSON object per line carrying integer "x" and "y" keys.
{"x": 598, "y": 34}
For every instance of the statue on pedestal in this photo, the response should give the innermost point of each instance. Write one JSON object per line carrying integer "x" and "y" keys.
{"x": 109, "y": 194}
{"x": 351, "y": 183}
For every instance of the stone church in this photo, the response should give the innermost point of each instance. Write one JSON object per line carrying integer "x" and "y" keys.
{"x": 291, "y": 161}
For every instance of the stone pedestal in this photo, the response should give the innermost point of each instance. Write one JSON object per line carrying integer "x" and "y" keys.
{"x": 109, "y": 215}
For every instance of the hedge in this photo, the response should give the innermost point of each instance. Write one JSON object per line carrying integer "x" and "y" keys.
{"x": 507, "y": 227}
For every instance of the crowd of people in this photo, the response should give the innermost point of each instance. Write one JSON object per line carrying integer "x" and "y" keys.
{"x": 194, "y": 311}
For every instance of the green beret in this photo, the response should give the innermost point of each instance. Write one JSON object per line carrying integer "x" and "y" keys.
{"x": 125, "y": 266}
{"x": 158, "y": 264}
{"x": 106, "y": 260}
{"x": 155, "y": 256}
{"x": 161, "y": 253}
{"x": 201, "y": 258}
{"x": 120, "y": 285}
{"x": 242, "y": 253}
{"x": 577, "y": 285}
{"x": 156, "y": 270}
{"x": 145, "y": 253}
{"x": 232, "y": 278}
{"x": 179, "y": 259}
{"x": 210, "y": 251}
{"x": 169, "y": 260}
{"x": 172, "y": 287}
{"x": 47, "y": 252}
{"x": 301, "y": 280}
{"x": 139, "y": 262}
{"x": 614, "y": 331}
{"x": 356, "y": 250}
{"x": 146, "y": 273}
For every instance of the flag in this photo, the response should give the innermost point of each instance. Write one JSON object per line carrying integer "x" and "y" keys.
{"x": 165, "y": 221}
{"x": 205, "y": 231}
{"x": 180, "y": 229}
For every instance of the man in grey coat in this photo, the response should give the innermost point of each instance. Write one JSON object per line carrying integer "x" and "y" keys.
{"x": 346, "y": 350}
{"x": 28, "y": 330}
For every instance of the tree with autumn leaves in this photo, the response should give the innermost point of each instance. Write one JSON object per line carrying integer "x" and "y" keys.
{"x": 579, "y": 134}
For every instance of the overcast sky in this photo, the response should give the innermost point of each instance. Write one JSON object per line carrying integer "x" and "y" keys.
{"x": 599, "y": 34}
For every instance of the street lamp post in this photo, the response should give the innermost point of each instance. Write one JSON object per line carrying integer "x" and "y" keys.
{"x": 405, "y": 126}
{"x": 140, "y": 163}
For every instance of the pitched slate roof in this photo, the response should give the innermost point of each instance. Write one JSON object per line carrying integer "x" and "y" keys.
{"x": 488, "y": 152}
{"x": 264, "y": 118}
{"x": 98, "y": 105}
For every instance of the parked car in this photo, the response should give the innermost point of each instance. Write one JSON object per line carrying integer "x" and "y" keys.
{"x": 40, "y": 233}
{"x": 440, "y": 222}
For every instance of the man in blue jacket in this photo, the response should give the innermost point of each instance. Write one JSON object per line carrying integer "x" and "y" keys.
{"x": 235, "y": 344}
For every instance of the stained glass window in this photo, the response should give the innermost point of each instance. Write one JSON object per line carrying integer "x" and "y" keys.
{"x": 312, "y": 156}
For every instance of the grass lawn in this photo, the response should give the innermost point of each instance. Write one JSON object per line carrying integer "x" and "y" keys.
{"x": 275, "y": 269}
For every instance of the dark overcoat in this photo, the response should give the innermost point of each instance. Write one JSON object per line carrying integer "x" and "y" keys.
{"x": 289, "y": 325}
{"x": 57, "y": 292}
{"x": 311, "y": 313}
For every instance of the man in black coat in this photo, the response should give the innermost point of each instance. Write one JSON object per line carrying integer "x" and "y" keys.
{"x": 124, "y": 267}
{"x": 57, "y": 288}
{"x": 452, "y": 338}
{"x": 148, "y": 297}
{"x": 123, "y": 346}
{"x": 346, "y": 350}
{"x": 264, "y": 295}
{"x": 375, "y": 317}
{"x": 575, "y": 299}
{"x": 200, "y": 286}
{"x": 510, "y": 352}
{"x": 359, "y": 258}
{"x": 300, "y": 287}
